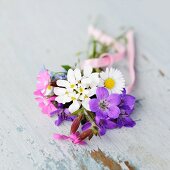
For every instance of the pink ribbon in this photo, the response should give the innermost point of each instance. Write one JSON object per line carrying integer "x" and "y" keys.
{"x": 107, "y": 60}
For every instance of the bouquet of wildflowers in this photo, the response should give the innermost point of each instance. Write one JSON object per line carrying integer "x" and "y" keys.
{"x": 92, "y": 94}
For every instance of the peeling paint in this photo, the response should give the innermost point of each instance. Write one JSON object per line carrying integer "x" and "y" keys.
{"x": 100, "y": 156}
{"x": 129, "y": 166}
{"x": 108, "y": 162}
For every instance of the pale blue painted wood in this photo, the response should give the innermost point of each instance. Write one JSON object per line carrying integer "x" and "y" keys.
{"x": 33, "y": 33}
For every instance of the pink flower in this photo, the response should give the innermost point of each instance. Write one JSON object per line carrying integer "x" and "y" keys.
{"x": 43, "y": 80}
{"x": 46, "y": 104}
{"x": 75, "y": 138}
{"x": 42, "y": 91}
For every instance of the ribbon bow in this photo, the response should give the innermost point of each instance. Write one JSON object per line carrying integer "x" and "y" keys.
{"x": 108, "y": 59}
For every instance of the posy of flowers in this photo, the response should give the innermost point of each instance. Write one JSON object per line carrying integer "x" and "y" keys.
{"x": 91, "y": 94}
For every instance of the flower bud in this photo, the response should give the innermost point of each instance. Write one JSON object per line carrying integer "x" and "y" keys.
{"x": 76, "y": 123}
{"x": 86, "y": 134}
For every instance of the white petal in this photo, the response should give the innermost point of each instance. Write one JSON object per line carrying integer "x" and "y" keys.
{"x": 85, "y": 104}
{"x": 86, "y": 81}
{"x": 66, "y": 99}
{"x": 103, "y": 75}
{"x": 94, "y": 79}
{"x": 81, "y": 97}
{"x": 74, "y": 106}
{"x": 95, "y": 75}
{"x": 92, "y": 91}
{"x": 101, "y": 83}
{"x": 63, "y": 83}
{"x": 70, "y": 90}
{"x": 86, "y": 92}
{"x": 77, "y": 74}
{"x": 60, "y": 99}
{"x": 81, "y": 85}
{"x": 87, "y": 71}
{"x": 111, "y": 72}
{"x": 107, "y": 71}
{"x": 70, "y": 76}
{"x": 59, "y": 91}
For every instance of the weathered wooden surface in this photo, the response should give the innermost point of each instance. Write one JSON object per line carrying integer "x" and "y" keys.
{"x": 37, "y": 32}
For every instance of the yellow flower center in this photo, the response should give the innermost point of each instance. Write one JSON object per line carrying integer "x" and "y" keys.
{"x": 109, "y": 83}
{"x": 72, "y": 86}
{"x": 49, "y": 87}
{"x": 73, "y": 98}
{"x": 81, "y": 90}
{"x": 85, "y": 97}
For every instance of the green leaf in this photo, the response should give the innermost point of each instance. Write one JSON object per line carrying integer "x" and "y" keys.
{"x": 66, "y": 67}
{"x": 77, "y": 112}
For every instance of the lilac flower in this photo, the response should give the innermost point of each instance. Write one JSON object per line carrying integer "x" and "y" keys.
{"x": 63, "y": 114}
{"x": 124, "y": 120}
{"x": 86, "y": 126}
{"x": 126, "y": 108}
{"x": 104, "y": 124}
{"x": 105, "y": 105}
{"x": 127, "y": 102}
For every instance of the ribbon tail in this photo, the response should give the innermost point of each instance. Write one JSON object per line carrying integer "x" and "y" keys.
{"x": 131, "y": 59}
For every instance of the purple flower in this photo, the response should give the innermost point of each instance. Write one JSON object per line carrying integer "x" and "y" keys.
{"x": 105, "y": 105}
{"x": 63, "y": 114}
{"x": 86, "y": 126}
{"x": 125, "y": 120}
{"x": 126, "y": 108}
{"x": 127, "y": 102}
{"x": 104, "y": 124}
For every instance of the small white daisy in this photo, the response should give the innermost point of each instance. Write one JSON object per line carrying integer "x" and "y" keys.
{"x": 113, "y": 80}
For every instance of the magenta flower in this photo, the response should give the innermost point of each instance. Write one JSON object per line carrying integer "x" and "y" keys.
{"x": 75, "y": 138}
{"x": 46, "y": 104}
{"x": 105, "y": 105}
{"x": 43, "y": 79}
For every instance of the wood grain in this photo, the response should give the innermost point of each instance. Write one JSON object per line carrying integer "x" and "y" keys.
{"x": 33, "y": 33}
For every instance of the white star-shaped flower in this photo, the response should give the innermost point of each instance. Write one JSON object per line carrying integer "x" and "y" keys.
{"x": 78, "y": 88}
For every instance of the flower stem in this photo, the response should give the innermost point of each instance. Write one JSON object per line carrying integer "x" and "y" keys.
{"x": 89, "y": 118}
